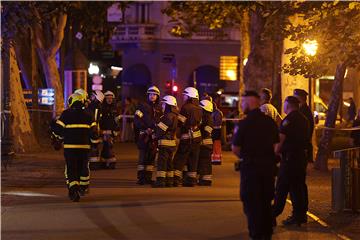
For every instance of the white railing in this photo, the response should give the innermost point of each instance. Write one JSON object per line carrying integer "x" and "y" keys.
{"x": 132, "y": 32}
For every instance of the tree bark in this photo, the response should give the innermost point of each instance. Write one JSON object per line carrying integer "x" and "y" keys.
{"x": 47, "y": 57}
{"x": 321, "y": 162}
{"x": 21, "y": 131}
{"x": 244, "y": 50}
{"x": 23, "y": 56}
{"x": 259, "y": 68}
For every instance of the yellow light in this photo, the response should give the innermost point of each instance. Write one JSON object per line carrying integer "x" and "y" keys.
{"x": 310, "y": 47}
{"x": 245, "y": 61}
{"x": 231, "y": 74}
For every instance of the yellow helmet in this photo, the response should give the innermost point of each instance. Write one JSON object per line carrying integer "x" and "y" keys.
{"x": 75, "y": 97}
{"x": 83, "y": 93}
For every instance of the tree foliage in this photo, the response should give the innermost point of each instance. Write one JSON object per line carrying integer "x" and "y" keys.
{"x": 335, "y": 26}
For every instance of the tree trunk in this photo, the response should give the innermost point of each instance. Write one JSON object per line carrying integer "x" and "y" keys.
{"x": 244, "y": 50}
{"x": 52, "y": 77}
{"x": 21, "y": 131}
{"x": 276, "y": 80}
{"x": 23, "y": 56}
{"x": 259, "y": 68}
{"x": 321, "y": 162}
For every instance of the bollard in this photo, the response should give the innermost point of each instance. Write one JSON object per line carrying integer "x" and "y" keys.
{"x": 337, "y": 190}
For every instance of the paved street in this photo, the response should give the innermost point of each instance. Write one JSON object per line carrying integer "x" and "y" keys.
{"x": 117, "y": 208}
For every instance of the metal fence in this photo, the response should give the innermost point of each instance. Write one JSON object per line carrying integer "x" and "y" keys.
{"x": 346, "y": 180}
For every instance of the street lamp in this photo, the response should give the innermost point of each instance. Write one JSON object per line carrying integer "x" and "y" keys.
{"x": 310, "y": 48}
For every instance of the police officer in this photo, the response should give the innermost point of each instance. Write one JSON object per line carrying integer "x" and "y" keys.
{"x": 188, "y": 151}
{"x": 253, "y": 142}
{"x": 206, "y": 128}
{"x": 96, "y": 100}
{"x": 78, "y": 130}
{"x": 109, "y": 129}
{"x": 301, "y": 95}
{"x": 294, "y": 137}
{"x": 146, "y": 116}
{"x": 165, "y": 134}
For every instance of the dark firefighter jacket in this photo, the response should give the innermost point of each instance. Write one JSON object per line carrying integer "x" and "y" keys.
{"x": 189, "y": 121}
{"x": 206, "y": 128}
{"x": 77, "y": 128}
{"x": 166, "y": 129}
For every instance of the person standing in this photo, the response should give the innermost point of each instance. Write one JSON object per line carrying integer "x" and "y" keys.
{"x": 301, "y": 95}
{"x": 165, "y": 134}
{"x": 351, "y": 110}
{"x": 146, "y": 116}
{"x": 266, "y": 106}
{"x": 109, "y": 129}
{"x": 77, "y": 128}
{"x": 206, "y": 127}
{"x": 254, "y": 139}
{"x": 294, "y": 137}
{"x": 94, "y": 107}
{"x": 188, "y": 151}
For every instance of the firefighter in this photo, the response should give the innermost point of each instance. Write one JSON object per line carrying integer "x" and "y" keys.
{"x": 109, "y": 129}
{"x": 77, "y": 128}
{"x": 146, "y": 116}
{"x": 96, "y": 100}
{"x": 206, "y": 127}
{"x": 190, "y": 139}
{"x": 165, "y": 134}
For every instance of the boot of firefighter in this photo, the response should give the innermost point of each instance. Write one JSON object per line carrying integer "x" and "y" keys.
{"x": 141, "y": 177}
{"x": 205, "y": 180}
{"x": 177, "y": 181}
{"x": 74, "y": 194}
{"x": 189, "y": 181}
{"x": 84, "y": 190}
{"x": 169, "y": 182}
{"x": 159, "y": 183}
{"x": 148, "y": 177}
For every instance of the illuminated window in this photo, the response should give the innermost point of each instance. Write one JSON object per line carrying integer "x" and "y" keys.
{"x": 228, "y": 68}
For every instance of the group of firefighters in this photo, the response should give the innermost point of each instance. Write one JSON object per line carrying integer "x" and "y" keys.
{"x": 197, "y": 125}
{"x": 158, "y": 124}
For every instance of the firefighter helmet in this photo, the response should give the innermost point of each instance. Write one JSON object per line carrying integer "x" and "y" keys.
{"x": 191, "y": 92}
{"x": 154, "y": 90}
{"x": 75, "y": 97}
{"x": 169, "y": 100}
{"x": 82, "y": 92}
{"x": 99, "y": 95}
{"x": 207, "y": 105}
{"x": 109, "y": 93}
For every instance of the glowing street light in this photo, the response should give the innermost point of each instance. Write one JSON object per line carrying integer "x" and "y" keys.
{"x": 93, "y": 69}
{"x": 310, "y": 47}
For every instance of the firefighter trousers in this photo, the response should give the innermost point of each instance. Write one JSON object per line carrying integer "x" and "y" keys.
{"x": 146, "y": 164}
{"x": 187, "y": 153}
{"x": 165, "y": 166}
{"x": 77, "y": 170}
{"x": 204, "y": 165}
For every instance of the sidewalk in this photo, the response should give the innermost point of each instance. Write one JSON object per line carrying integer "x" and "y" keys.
{"x": 46, "y": 168}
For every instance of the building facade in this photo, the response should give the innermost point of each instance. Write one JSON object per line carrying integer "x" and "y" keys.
{"x": 152, "y": 56}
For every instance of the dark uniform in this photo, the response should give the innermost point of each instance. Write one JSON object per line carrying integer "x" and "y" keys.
{"x": 216, "y": 136}
{"x": 204, "y": 165}
{"x": 146, "y": 116}
{"x": 293, "y": 164}
{"x": 190, "y": 139}
{"x": 256, "y": 135}
{"x": 165, "y": 133}
{"x": 94, "y": 109}
{"x": 109, "y": 130}
{"x": 355, "y": 134}
{"x": 306, "y": 111}
{"x": 78, "y": 130}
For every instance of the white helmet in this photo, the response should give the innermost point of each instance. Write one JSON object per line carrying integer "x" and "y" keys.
{"x": 109, "y": 93}
{"x": 82, "y": 92}
{"x": 207, "y": 105}
{"x": 154, "y": 90}
{"x": 99, "y": 95}
{"x": 169, "y": 100}
{"x": 191, "y": 92}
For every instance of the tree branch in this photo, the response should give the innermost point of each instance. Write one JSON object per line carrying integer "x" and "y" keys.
{"x": 59, "y": 35}
{"x": 38, "y": 31}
